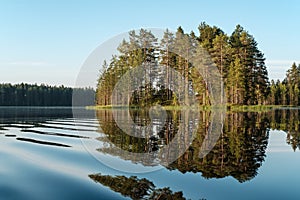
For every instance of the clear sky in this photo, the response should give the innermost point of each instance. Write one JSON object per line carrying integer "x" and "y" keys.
{"x": 48, "y": 41}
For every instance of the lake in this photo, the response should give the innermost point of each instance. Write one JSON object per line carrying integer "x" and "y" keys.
{"x": 65, "y": 153}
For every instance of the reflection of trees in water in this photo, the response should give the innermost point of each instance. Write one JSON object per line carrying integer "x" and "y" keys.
{"x": 154, "y": 139}
{"x": 239, "y": 152}
{"x": 162, "y": 142}
{"x": 136, "y": 188}
{"x": 287, "y": 120}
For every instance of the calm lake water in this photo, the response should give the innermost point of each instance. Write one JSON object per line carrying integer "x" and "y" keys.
{"x": 47, "y": 153}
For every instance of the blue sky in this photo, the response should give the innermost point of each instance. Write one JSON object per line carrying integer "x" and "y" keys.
{"x": 48, "y": 41}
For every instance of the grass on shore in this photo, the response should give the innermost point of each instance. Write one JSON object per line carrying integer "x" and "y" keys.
{"x": 230, "y": 108}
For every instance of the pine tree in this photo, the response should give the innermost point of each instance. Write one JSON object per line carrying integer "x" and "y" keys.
{"x": 236, "y": 82}
{"x": 221, "y": 56}
{"x": 292, "y": 80}
{"x": 168, "y": 59}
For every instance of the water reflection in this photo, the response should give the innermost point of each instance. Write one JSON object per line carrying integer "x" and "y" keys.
{"x": 40, "y": 125}
{"x": 287, "y": 120}
{"x": 152, "y": 140}
{"x": 147, "y": 141}
{"x": 239, "y": 151}
{"x": 13, "y": 114}
{"x": 136, "y": 188}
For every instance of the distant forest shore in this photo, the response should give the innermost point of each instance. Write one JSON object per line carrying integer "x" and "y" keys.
{"x": 43, "y": 95}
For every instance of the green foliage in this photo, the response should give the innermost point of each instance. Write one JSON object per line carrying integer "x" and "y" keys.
{"x": 240, "y": 62}
{"x": 286, "y": 92}
{"x": 236, "y": 83}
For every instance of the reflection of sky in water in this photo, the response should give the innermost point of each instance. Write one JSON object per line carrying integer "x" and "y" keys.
{"x": 277, "y": 142}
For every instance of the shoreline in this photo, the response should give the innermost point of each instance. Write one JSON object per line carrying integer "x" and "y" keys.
{"x": 234, "y": 108}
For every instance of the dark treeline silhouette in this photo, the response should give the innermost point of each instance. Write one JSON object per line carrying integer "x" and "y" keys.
{"x": 42, "y": 95}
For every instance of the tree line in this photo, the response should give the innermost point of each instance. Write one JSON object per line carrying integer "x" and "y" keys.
{"x": 286, "y": 92}
{"x": 237, "y": 57}
{"x": 41, "y": 95}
